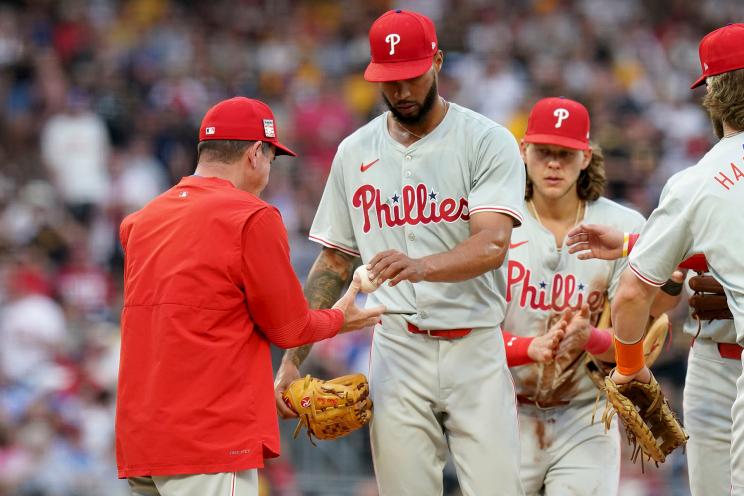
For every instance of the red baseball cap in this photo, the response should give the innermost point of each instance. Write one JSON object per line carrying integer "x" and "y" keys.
{"x": 402, "y": 44}
{"x": 559, "y": 121}
{"x": 721, "y": 51}
{"x": 244, "y": 119}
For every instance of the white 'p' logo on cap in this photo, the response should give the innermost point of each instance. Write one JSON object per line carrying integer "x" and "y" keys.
{"x": 393, "y": 39}
{"x": 561, "y": 114}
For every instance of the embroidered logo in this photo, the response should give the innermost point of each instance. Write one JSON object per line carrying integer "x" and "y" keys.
{"x": 364, "y": 167}
{"x": 415, "y": 205}
{"x": 558, "y": 294}
{"x": 393, "y": 39}
{"x": 561, "y": 114}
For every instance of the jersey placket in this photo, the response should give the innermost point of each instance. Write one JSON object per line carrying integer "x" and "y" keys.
{"x": 413, "y": 248}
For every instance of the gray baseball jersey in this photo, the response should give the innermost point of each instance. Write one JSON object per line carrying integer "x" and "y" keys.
{"x": 382, "y": 195}
{"x": 701, "y": 210}
{"x": 544, "y": 281}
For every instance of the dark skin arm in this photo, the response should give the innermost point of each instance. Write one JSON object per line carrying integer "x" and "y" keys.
{"x": 328, "y": 276}
{"x": 484, "y": 250}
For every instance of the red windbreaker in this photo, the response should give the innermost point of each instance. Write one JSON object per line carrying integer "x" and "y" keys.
{"x": 207, "y": 286}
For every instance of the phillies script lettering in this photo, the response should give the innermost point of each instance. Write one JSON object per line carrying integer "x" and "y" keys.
{"x": 555, "y": 296}
{"x": 415, "y": 205}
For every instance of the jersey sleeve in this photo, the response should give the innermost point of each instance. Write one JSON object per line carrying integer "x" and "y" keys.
{"x": 666, "y": 238}
{"x": 273, "y": 292}
{"x": 619, "y": 265}
{"x": 332, "y": 226}
{"x": 499, "y": 176}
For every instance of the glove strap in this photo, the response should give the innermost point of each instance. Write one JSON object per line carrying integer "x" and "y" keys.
{"x": 629, "y": 357}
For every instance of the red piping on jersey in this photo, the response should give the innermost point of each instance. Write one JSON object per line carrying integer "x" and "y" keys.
{"x": 644, "y": 278}
{"x": 323, "y": 242}
{"x": 500, "y": 210}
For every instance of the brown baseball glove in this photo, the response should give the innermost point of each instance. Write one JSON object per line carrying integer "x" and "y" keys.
{"x": 329, "y": 409}
{"x": 709, "y": 300}
{"x": 650, "y": 425}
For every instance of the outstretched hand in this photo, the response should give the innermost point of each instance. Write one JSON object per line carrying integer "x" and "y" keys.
{"x": 595, "y": 241}
{"x": 355, "y": 317}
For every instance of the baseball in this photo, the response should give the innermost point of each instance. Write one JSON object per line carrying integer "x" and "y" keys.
{"x": 367, "y": 285}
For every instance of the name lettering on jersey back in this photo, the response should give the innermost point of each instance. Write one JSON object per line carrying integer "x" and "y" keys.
{"x": 730, "y": 179}
{"x": 415, "y": 205}
{"x": 557, "y": 295}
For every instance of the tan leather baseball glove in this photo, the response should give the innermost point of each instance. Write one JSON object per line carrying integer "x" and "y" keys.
{"x": 329, "y": 409}
{"x": 650, "y": 425}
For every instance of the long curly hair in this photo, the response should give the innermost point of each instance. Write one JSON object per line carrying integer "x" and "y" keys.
{"x": 725, "y": 100}
{"x": 591, "y": 182}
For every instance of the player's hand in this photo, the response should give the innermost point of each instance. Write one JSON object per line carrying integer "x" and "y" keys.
{"x": 287, "y": 373}
{"x": 355, "y": 317}
{"x": 643, "y": 375}
{"x": 577, "y": 331}
{"x": 396, "y": 266}
{"x": 595, "y": 241}
{"x": 542, "y": 349}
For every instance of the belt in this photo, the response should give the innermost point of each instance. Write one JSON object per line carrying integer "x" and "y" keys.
{"x": 440, "y": 333}
{"x": 526, "y": 400}
{"x": 729, "y": 350}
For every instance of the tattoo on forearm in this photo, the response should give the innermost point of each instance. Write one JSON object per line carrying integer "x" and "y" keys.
{"x": 330, "y": 273}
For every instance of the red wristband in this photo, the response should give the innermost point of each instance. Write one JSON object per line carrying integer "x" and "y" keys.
{"x": 516, "y": 349}
{"x": 599, "y": 341}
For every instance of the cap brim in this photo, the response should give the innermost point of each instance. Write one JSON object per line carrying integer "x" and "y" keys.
{"x": 282, "y": 150}
{"x": 699, "y": 82}
{"x": 397, "y": 71}
{"x": 551, "y": 139}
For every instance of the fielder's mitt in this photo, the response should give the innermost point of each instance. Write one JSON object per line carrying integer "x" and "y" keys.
{"x": 650, "y": 426}
{"x": 330, "y": 409}
{"x": 709, "y": 300}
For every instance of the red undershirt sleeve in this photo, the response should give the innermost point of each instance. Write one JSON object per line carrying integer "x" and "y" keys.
{"x": 274, "y": 295}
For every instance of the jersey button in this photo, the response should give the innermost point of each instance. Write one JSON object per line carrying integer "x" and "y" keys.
{"x": 412, "y": 236}
{"x": 409, "y": 173}
{"x": 423, "y": 314}
{"x": 408, "y": 157}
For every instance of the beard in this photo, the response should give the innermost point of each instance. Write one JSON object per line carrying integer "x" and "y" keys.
{"x": 423, "y": 111}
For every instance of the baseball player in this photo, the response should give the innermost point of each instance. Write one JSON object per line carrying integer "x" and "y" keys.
{"x": 427, "y": 195}
{"x": 712, "y": 370}
{"x": 563, "y": 452}
{"x": 700, "y": 211}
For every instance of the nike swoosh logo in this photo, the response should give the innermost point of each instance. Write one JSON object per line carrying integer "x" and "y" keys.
{"x": 516, "y": 245}
{"x": 364, "y": 167}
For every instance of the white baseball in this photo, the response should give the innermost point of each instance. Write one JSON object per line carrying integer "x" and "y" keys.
{"x": 367, "y": 285}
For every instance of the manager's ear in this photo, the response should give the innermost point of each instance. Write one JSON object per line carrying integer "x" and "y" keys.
{"x": 250, "y": 156}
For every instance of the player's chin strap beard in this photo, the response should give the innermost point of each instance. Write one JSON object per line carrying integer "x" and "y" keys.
{"x": 421, "y": 136}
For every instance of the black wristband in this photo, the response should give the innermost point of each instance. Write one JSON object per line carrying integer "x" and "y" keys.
{"x": 672, "y": 288}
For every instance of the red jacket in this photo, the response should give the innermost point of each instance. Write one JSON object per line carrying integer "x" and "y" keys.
{"x": 207, "y": 286}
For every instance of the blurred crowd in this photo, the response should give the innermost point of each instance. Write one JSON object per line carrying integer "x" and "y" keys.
{"x": 100, "y": 102}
